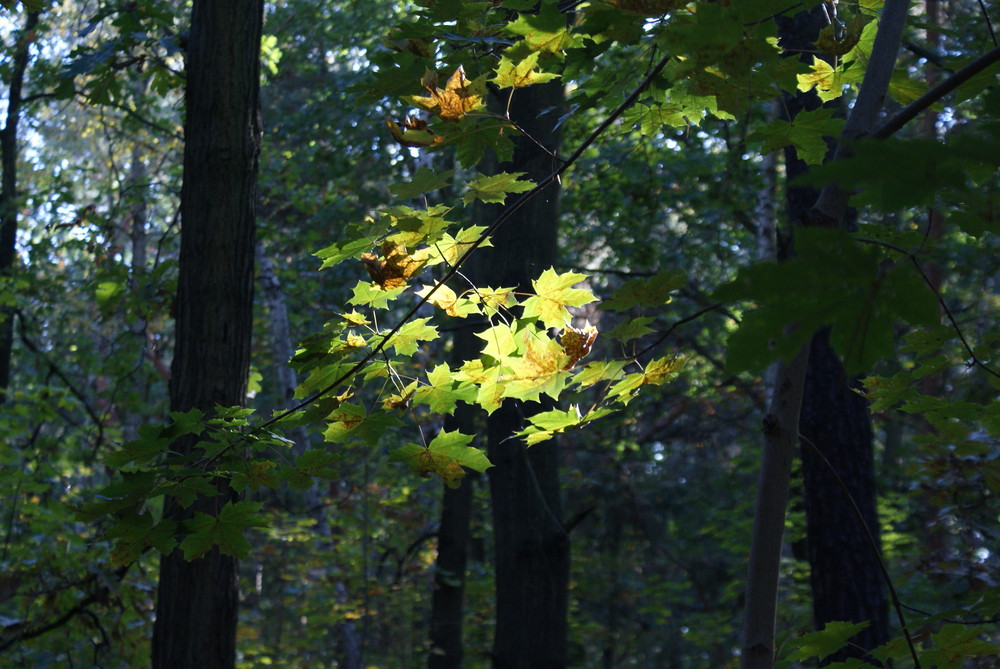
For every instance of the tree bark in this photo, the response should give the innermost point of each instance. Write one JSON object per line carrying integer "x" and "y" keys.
{"x": 844, "y": 569}
{"x": 8, "y": 195}
{"x": 532, "y": 547}
{"x": 196, "y": 608}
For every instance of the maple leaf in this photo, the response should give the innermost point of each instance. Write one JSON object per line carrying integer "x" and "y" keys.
{"x": 500, "y": 341}
{"x": 445, "y": 298}
{"x": 450, "y": 248}
{"x": 494, "y": 299}
{"x": 394, "y": 268}
{"x": 577, "y": 343}
{"x": 829, "y": 81}
{"x": 805, "y": 132}
{"x": 494, "y": 189}
{"x": 553, "y": 293}
{"x": 458, "y": 97}
{"x": 405, "y": 340}
{"x": 827, "y": 42}
{"x": 224, "y": 530}
{"x": 539, "y": 368}
{"x": 414, "y": 132}
{"x": 522, "y": 74}
{"x": 545, "y": 30}
{"x": 445, "y": 456}
{"x": 443, "y": 391}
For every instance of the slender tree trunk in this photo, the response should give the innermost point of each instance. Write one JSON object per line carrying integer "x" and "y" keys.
{"x": 197, "y": 601}
{"x": 8, "y": 194}
{"x": 532, "y": 547}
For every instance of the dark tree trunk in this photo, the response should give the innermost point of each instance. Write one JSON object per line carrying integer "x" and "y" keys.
{"x": 844, "y": 572}
{"x": 8, "y": 194}
{"x": 532, "y": 547}
{"x": 845, "y": 576}
{"x": 448, "y": 598}
{"x": 197, "y": 601}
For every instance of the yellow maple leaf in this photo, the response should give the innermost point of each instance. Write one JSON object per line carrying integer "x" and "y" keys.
{"x": 458, "y": 97}
{"x": 825, "y": 78}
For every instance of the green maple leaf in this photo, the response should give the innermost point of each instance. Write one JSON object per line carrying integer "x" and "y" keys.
{"x": 806, "y": 132}
{"x": 494, "y": 189}
{"x": 631, "y": 329}
{"x": 828, "y": 80}
{"x": 313, "y": 463}
{"x": 523, "y": 73}
{"x": 553, "y": 294}
{"x": 445, "y": 456}
{"x": 599, "y": 370}
{"x": 829, "y": 640}
{"x": 451, "y": 248}
{"x": 547, "y": 424}
{"x": 840, "y": 283}
{"x": 135, "y": 532}
{"x": 500, "y": 341}
{"x": 371, "y": 294}
{"x": 545, "y": 31}
{"x": 538, "y": 369}
{"x": 225, "y": 530}
{"x": 352, "y": 421}
{"x": 405, "y": 341}
{"x": 443, "y": 391}
{"x": 334, "y": 254}
{"x": 424, "y": 180}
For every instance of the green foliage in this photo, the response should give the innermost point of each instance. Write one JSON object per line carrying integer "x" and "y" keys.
{"x": 664, "y": 195}
{"x": 840, "y": 283}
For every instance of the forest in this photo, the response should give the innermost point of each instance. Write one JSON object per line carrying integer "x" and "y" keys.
{"x": 500, "y": 333}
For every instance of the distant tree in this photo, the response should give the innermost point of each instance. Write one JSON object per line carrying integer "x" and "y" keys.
{"x": 8, "y": 190}
{"x": 197, "y": 601}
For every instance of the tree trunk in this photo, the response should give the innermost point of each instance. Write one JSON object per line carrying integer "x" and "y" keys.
{"x": 532, "y": 547}
{"x": 8, "y": 195}
{"x": 844, "y": 570}
{"x": 448, "y": 599}
{"x": 197, "y": 601}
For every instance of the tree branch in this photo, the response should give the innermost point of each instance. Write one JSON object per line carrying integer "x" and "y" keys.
{"x": 910, "y": 111}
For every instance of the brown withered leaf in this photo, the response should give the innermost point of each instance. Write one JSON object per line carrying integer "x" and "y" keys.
{"x": 394, "y": 268}
{"x": 577, "y": 343}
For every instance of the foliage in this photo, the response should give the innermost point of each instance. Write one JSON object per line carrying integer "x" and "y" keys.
{"x": 656, "y": 220}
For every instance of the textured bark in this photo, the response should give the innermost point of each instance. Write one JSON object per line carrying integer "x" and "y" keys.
{"x": 197, "y": 601}
{"x": 844, "y": 571}
{"x": 8, "y": 194}
{"x": 532, "y": 547}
